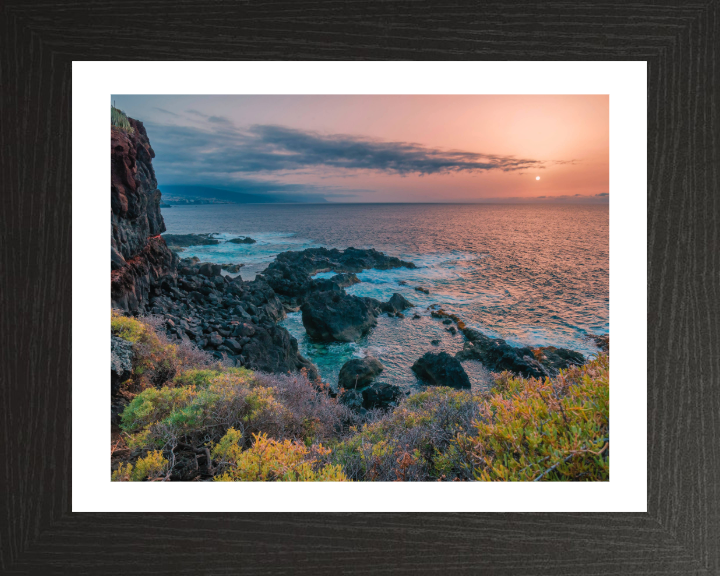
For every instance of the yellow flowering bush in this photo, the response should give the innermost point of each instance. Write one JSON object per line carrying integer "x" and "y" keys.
{"x": 273, "y": 460}
{"x": 154, "y": 465}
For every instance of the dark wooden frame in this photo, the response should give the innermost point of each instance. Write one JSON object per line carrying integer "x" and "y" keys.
{"x": 680, "y": 534}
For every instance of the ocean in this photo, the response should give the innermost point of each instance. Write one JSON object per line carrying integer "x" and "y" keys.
{"x": 534, "y": 275}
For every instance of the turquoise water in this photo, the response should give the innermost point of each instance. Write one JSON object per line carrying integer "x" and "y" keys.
{"x": 533, "y": 275}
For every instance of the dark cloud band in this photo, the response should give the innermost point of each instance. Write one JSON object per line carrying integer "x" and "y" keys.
{"x": 264, "y": 148}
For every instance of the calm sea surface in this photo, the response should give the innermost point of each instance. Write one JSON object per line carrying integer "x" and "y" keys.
{"x": 535, "y": 275}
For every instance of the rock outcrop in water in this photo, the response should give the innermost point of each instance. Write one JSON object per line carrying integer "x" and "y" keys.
{"x": 441, "y": 369}
{"x": 328, "y": 313}
{"x": 345, "y": 280}
{"x": 359, "y": 372}
{"x": 398, "y": 303}
{"x": 337, "y": 317}
{"x": 357, "y": 389}
{"x": 139, "y": 255}
{"x": 290, "y": 275}
{"x": 179, "y": 242}
{"x": 602, "y": 341}
{"x": 497, "y": 355}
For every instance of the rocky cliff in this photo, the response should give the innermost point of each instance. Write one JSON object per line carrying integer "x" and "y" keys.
{"x": 139, "y": 255}
{"x": 232, "y": 319}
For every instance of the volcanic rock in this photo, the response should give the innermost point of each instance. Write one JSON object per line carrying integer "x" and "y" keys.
{"x": 398, "y": 303}
{"x": 210, "y": 270}
{"x": 231, "y": 268}
{"x": 352, "y": 398}
{"x": 179, "y": 242}
{"x": 359, "y": 372}
{"x": 345, "y": 280}
{"x": 497, "y": 355}
{"x": 380, "y": 395}
{"x": 602, "y": 341}
{"x": 336, "y": 316}
{"x": 139, "y": 256}
{"x": 290, "y": 274}
{"x": 441, "y": 369}
{"x": 121, "y": 356}
{"x": 556, "y": 359}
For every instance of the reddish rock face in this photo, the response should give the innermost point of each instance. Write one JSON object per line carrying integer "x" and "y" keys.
{"x": 130, "y": 284}
{"x": 123, "y": 171}
{"x": 138, "y": 255}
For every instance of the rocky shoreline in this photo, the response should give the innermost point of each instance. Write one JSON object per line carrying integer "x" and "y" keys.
{"x": 237, "y": 322}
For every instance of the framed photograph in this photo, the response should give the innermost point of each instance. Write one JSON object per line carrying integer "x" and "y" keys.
{"x": 375, "y": 293}
{"x": 360, "y": 289}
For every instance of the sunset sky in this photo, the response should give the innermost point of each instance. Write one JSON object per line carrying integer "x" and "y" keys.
{"x": 383, "y": 148}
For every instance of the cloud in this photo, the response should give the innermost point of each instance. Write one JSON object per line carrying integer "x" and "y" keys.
{"x": 602, "y": 194}
{"x": 287, "y": 149}
{"x": 220, "y": 148}
{"x": 166, "y": 111}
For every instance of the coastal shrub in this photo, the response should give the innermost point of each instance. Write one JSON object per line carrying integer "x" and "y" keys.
{"x": 414, "y": 442}
{"x": 552, "y": 429}
{"x": 314, "y": 415}
{"x": 522, "y": 430}
{"x": 156, "y": 360}
{"x": 194, "y": 417}
{"x": 200, "y": 414}
{"x": 152, "y": 466}
{"x": 199, "y": 407}
{"x": 272, "y": 460}
{"x": 200, "y": 377}
{"x": 119, "y": 119}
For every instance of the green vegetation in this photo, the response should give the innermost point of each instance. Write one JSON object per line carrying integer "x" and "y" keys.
{"x": 120, "y": 120}
{"x": 268, "y": 459}
{"x": 521, "y": 430}
{"x": 193, "y": 419}
{"x": 156, "y": 360}
{"x": 160, "y": 417}
{"x": 153, "y": 466}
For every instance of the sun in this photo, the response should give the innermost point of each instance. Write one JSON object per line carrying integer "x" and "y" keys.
{"x": 537, "y": 177}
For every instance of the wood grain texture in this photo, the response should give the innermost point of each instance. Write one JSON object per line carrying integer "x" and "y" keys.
{"x": 680, "y": 535}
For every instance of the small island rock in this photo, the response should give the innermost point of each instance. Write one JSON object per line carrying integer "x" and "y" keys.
{"x": 441, "y": 369}
{"x": 336, "y": 316}
{"x": 359, "y": 372}
{"x": 243, "y": 240}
